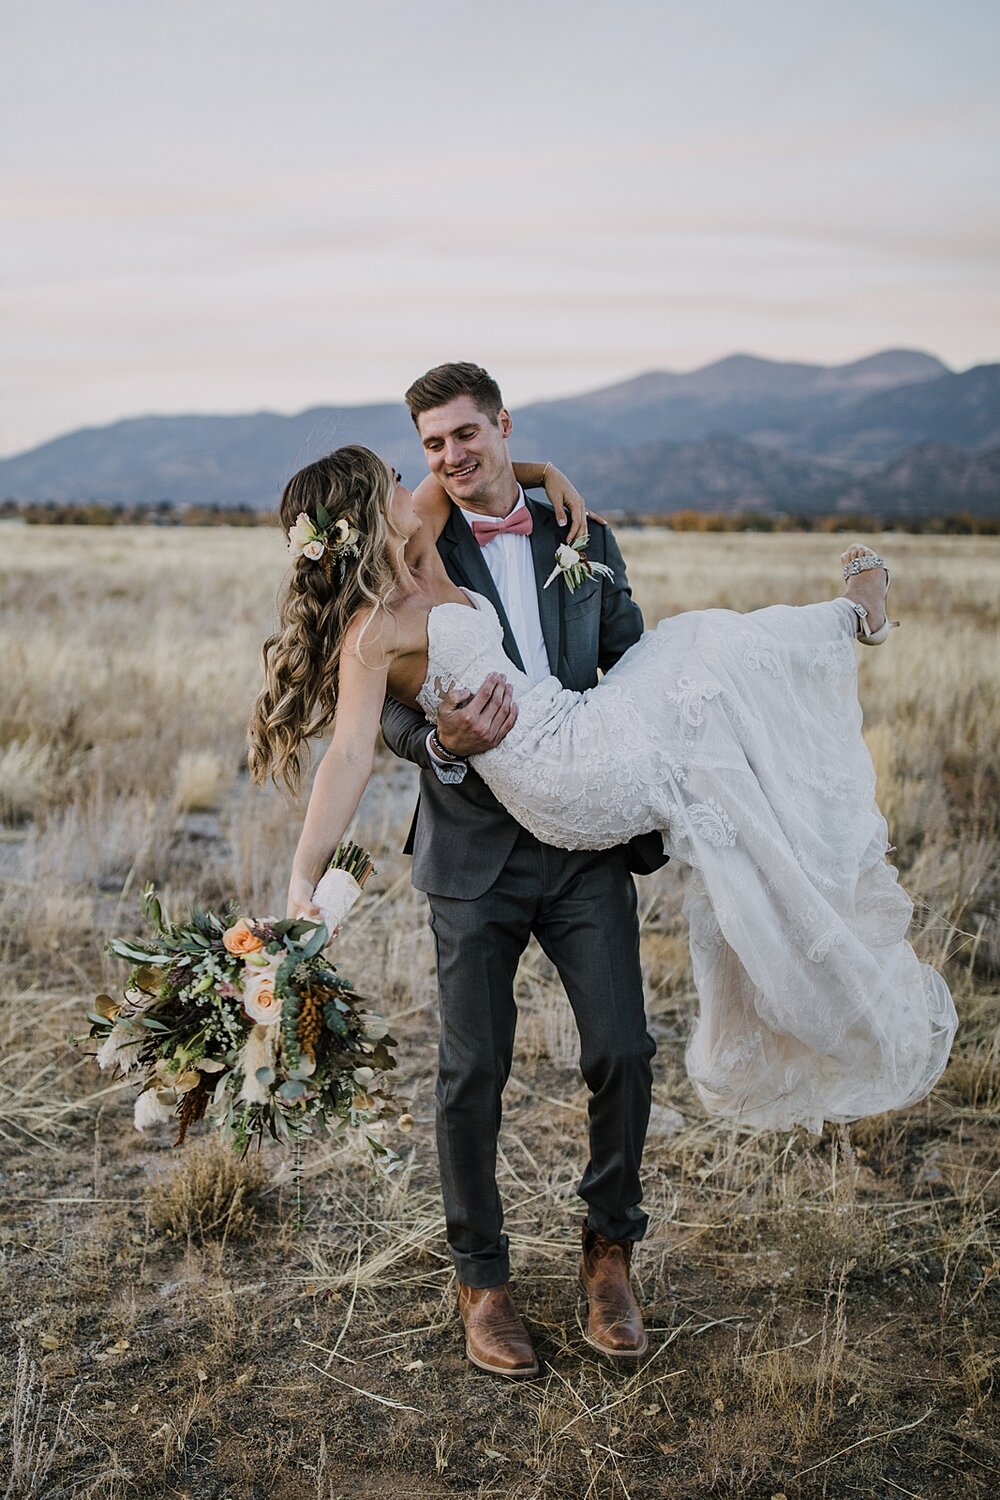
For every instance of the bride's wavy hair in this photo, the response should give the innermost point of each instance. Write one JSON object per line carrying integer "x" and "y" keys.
{"x": 302, "y": 659}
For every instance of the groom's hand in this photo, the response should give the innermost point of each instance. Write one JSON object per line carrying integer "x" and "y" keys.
{"x": 468, "y": 725}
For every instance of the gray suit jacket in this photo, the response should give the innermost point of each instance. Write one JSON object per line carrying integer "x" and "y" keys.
{"x": 461, "y": 836}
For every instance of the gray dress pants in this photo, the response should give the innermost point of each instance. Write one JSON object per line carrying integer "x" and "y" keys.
{"x": 581, "y": 906}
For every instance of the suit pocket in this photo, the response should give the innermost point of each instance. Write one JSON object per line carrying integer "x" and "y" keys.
{"x": 586, "y": 599}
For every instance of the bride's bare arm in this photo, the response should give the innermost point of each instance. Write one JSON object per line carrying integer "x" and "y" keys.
{"x": 343, "y": 773}
{"x": 432, "y": 503}
{"x": 562, "y": 494}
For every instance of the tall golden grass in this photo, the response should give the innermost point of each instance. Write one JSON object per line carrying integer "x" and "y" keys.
{"x": 822, "y": 1311}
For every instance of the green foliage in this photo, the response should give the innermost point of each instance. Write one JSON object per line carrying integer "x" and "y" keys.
{"x": 183, "y": 1006}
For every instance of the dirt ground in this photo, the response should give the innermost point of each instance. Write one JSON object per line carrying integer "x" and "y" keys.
{"x": 823, "y": 1311}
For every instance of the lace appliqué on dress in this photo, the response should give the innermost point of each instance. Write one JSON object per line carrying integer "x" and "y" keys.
{"x": 738, "y": 738}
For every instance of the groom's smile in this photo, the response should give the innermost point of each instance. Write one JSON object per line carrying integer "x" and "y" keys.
{"x": 467, "y": 453}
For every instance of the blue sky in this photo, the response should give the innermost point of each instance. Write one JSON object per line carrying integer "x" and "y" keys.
{"x": 226, "y": 205}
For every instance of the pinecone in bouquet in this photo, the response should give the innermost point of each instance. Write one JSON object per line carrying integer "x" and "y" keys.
{"x": 243, "y": 1021}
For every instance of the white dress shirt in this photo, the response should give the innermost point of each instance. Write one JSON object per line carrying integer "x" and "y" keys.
{"x": 512, "y": 569}
{"x": 509, "y": 560}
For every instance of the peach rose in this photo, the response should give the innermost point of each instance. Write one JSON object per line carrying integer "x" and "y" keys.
{"x": 239, "y": 939}
{"x": 259, "y": 1000}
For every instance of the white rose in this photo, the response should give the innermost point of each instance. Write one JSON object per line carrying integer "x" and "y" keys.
{"x": 259, "y": 1000}
{"x": 301, "y": 534}
{"x": 567, "y": 557}
{"x": 313, "y": 550}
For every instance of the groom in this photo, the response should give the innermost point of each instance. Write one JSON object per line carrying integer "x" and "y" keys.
{"x": 491, "y": 885}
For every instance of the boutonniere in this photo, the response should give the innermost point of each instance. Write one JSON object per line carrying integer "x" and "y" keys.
{"x": 573, "y": 564}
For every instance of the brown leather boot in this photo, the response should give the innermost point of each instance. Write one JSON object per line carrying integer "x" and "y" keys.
{"x": 495, "y": 1338}
{"x": 614, "y": 1322}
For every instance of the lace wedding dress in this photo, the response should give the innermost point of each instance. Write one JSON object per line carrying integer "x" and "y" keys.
{"x": 738, "y": 737}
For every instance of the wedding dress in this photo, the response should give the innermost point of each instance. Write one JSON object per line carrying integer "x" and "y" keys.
{"x": 738, "y": 737}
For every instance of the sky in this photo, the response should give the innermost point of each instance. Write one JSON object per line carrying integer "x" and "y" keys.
{"x": 238, "y": 205}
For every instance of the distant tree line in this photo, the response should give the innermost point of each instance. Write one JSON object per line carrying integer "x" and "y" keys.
{"x": 165, "y": 513}
{"x": 161, "y": 513}
{"x": 957, "y": 523}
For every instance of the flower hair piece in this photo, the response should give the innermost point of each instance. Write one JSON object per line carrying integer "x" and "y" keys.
{"x": 326, "y": 541}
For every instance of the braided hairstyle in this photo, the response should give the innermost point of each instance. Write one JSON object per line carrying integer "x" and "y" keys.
{"x": 302, "y": 660}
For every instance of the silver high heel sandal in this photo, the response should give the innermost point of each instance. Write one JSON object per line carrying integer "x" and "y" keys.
{"x": 866, "y": 635}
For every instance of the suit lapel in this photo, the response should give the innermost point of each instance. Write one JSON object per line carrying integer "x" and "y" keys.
{"x": 463, "y": 560}
{"x": 545, "y": 538}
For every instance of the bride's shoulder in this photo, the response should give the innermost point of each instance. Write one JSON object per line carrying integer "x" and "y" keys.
{"x": 374, "y": 635}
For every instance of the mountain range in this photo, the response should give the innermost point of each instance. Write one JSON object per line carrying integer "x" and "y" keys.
{"x": 897, "y": 433}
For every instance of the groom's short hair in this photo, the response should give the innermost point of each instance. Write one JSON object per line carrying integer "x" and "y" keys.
{"x": 446, "y": 382}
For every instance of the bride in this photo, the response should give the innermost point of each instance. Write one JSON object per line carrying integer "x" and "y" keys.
{"x": 736, "y": 737}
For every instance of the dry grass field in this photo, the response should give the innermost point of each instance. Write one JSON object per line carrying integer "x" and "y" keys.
{"x": 823, "y": 1311}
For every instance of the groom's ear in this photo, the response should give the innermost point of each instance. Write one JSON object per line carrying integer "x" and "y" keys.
{"x": 505, "y": 422}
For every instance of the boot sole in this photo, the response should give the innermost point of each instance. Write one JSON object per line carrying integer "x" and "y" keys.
{"x": 524, "y": 1372}
{"x": 618, "y": 1353}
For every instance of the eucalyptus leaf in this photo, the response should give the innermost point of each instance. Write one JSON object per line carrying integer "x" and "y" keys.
{"x": 317, "y": 942}
{"x": 264, "y": 1075}
{"x": 152, "y": 910}
{"x": 301, "y": 926}
{"x": 138, "y": 955}
{"x": 333, "y": 1020}
{"x": 285, "y": 972}
{"x": 292, "y": 1089}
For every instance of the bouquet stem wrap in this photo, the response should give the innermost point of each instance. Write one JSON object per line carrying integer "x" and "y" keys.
{"x": 335, "y": 895}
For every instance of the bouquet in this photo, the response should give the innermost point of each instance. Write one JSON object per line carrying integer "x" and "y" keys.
{"x": 243, "y": 1021}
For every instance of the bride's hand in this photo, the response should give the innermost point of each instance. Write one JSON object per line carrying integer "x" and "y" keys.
{"x": 300, "y": 899}
{"x": 565, "y": 497}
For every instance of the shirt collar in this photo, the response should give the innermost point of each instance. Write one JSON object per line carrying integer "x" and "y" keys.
{"x": 473, "y": 515}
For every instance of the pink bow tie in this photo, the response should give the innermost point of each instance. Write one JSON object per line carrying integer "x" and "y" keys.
{"x": 518, "y": 523}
